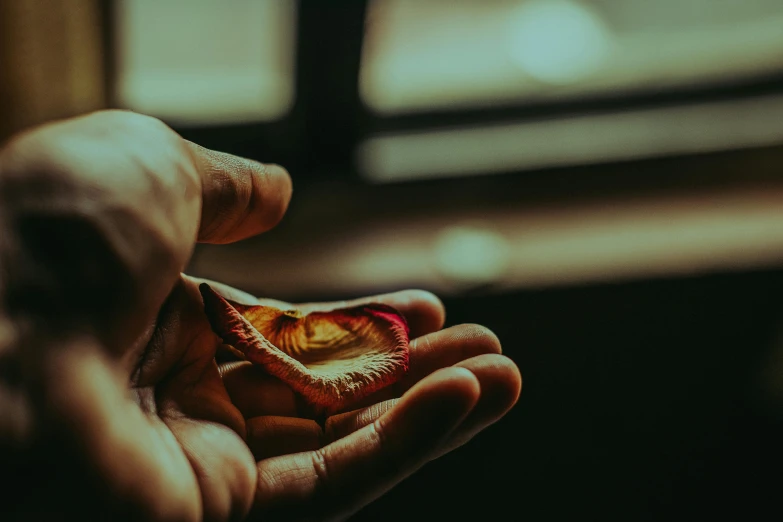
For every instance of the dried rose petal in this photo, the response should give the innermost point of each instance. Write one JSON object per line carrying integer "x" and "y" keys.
{"x": 332, "y": 358}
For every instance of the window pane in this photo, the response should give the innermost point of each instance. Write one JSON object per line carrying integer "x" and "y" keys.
{"x": 573, "y": 140}
{"x": 205, "y": 61}
{"x": 425, "y": 54}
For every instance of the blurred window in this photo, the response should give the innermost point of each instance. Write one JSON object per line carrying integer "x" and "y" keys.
{"x": 573, "y": 140}
{"x": 434, "y": 54}
{"x": 205, "y": 61}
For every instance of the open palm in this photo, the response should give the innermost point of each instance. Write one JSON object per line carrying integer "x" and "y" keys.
{"x": 132, "y": 408}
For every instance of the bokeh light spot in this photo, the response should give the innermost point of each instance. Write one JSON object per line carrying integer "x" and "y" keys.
{"x": 558, "y": 41}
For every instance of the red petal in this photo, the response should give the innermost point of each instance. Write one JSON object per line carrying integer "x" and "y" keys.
{"x": 331, "y": 358}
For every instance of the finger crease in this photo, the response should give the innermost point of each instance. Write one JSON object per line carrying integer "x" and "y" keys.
{"x": 379, "y": 434}
{"x": 251, "y": 203}
{"x": 321, "y": 469}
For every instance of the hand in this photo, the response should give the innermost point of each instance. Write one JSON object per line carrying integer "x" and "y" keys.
{"x": 458, "y": 384}
{"x": 111, "y": 401}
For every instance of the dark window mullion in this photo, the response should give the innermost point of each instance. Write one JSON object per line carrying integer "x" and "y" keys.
{"x": 328, "y": 109}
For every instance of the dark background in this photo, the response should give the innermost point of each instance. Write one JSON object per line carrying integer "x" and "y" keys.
{"x": 641, "y": 401}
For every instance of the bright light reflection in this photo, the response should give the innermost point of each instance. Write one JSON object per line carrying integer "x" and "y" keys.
{"x": 558, "y": 41}
{"x": 471, "y": 255}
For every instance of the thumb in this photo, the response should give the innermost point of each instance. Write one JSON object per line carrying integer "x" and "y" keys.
{"x": 241, "y": 197}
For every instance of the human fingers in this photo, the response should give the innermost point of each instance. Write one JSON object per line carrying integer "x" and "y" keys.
{"x": 501, "y": 385}
{"x": 337, "y": 480}
{"x": 500, "y": 382}
{"x": 271, "y": 436}
{"x": 256, "y": 393}
{"x": 499, "y": 379}
{"x": 241, "y": 197}
{"x": 438, "y": 350}
{"x": 343, "y": 424}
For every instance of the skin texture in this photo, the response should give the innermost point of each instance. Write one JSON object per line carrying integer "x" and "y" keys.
{"x": 112, "y": 403}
